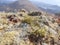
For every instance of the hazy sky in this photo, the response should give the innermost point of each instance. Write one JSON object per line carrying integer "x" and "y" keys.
{"x": 54, "y": 2}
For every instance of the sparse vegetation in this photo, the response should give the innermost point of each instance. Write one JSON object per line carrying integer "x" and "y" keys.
{"x": 37, "y": 36}
{"x": 35, "y": 14}
{"x": 28, "y": 19}
{"x": 8, "y": 38}
{"x": 21, "y": 28}
{"x": 13, "y": 18}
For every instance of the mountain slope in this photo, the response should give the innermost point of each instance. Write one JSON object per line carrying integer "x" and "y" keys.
{"x": 47, "y": 7}
{"x": 20, "y": 4}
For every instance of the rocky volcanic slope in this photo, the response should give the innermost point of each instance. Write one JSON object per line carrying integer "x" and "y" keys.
{"x": 22, "y": 28}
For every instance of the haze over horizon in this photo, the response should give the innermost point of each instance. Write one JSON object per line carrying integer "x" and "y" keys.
{"x": 52, "y": 2}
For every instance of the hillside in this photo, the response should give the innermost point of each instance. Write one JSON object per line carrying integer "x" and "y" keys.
{"x": 24, "y": 23}
{"x": 17, "y": 5}
{"x": 33, "y": 28}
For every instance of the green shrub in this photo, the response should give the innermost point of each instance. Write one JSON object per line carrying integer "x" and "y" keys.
{"x": 40, "y": 32}
{"x": 37, "y": 36}
{"x": 28, "y": 19}
{"x": 35, "y": 14}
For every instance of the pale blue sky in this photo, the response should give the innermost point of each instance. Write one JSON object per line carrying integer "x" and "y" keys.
{"x": 54, "y": 2}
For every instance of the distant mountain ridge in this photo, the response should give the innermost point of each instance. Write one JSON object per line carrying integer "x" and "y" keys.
{"x": 29, "y": 6}
{"x": 20, "y": 4}
{"x": 6, "y": 1}
{"x": 47, "y": 7}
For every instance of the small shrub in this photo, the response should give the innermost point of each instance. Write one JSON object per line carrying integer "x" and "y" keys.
{"x": 23, "y": 10}
{"x": 40, "y": 32}
{"x": 35, "y": 13}
{"x": 4, "y": 21}
{"x": 8, "y": 38}
{"x": 28, "y": 19}
{"x": 13, "y": 18}
{"x": 37, "y": 35}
